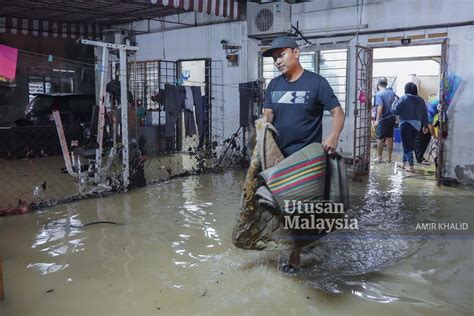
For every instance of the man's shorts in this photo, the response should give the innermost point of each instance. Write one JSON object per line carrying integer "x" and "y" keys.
{"x": 385, "y": 128}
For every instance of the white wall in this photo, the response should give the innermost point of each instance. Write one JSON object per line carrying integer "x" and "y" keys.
{"x": 460, "y": 142}
{"x": 392, "y": 14}
{"x": 379, "y": 14}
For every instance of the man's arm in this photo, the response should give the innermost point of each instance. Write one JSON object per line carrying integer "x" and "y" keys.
{"x": 379, "y": 115}
{"x": 268, "y": 115}
{"x": 338, "y": 117}
{"x": 431, "y": 130}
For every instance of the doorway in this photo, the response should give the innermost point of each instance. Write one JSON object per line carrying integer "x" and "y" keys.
{"x": 422, "y": 64}
{"x": 195, "y": 125}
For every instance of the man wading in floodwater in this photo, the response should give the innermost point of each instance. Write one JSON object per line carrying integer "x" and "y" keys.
{"x": 295, "y": 102}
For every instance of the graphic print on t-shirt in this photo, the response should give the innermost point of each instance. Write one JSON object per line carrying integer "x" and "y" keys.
{"x": 290, "y": 97}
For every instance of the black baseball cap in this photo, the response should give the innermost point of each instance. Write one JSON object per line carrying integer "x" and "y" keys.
{"x": 382, "y": 80}
{"x": 280, "y": 42}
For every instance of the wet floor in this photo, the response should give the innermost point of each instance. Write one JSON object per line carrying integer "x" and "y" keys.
{"x": 167, "y": 249}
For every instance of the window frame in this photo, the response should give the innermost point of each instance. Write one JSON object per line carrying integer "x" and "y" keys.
{"x": 344, "y": 106}
{"x": 316, "y": 64}
{"x": 262, "y": 64}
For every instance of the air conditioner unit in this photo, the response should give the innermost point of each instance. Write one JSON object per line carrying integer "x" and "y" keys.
{"x": 115, "y": 36}
{"x": 269, "y": 19}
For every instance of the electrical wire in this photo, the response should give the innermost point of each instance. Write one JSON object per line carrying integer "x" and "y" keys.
{"x": 99, "y": 69}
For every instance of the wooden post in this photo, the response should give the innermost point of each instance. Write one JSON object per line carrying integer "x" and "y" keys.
{"x": 1, "y": 281}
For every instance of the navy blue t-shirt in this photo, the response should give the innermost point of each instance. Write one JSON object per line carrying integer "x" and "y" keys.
{"x": 298, "y": 107}
{"x": 385, "y": 98}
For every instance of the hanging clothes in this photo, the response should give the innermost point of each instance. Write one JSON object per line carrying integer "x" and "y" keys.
{"x": 189, "y": 121}
{"x": 174, "y": 98}
{"x": 172, "y": 105}
{"x": 170, "y": 124}
{"x": 201, "y": 109}
{"x": 189, "y": 101}
{"x": 198, "y": 109}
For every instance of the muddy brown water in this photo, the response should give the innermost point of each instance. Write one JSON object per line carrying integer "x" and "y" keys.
{"x": 174, "y": 255}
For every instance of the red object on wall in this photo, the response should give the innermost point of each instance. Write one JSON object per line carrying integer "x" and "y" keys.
{"x": 8, "y": 58}
{"x": 223, "y": 8}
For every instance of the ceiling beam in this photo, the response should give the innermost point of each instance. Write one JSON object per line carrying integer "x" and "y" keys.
{"x": 103, "y": 12}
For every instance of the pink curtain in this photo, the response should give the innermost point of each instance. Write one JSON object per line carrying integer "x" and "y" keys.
{"x": 8, "y": 58}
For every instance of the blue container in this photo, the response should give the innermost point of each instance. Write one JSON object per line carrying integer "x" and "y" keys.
{"x": 396, "y": 135}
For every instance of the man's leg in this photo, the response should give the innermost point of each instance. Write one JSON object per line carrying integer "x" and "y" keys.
{"x": 424, "y": 144}
{"x": 408, "y": 139}
{"x": 295, "y": 258}
{"x": 418, "y": 147}
{"x": 390, "y": 125}
{"x": 379, "y": 149}
{"x": 380, "y": 140}
{"x": 405, "y": 136}
{"x": 389, "y": 148}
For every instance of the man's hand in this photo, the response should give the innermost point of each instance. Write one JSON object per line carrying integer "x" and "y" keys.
{"x": 268, "y": 115}
{"x": 330, "y": 144}
{"x": 376, "y": 123}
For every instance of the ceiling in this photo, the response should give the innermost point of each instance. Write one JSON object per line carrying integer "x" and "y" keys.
{"x": 86, "y": 11}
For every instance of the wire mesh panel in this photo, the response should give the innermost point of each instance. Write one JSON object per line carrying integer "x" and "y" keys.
{"x": 362, "y": 111}
{"x": 174, "y": 118}
{"x": 34, "y": 168}
{"x": 217, "y": 101}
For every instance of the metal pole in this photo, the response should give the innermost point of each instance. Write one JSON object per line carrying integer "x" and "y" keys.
{"x": 124, "y": 103}
{"x": 108, "y": 45}
{"x": 124, "y": 110}
{"x": 101, "y": 118}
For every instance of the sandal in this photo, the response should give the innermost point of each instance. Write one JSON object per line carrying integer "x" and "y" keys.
{"x": 289, "y": 269}
{"x": 378, "y": 160}
{"x": 425, "y": 162}
{"x": 410, "y": 169}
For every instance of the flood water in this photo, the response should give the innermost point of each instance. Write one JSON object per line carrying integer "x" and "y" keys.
{"x": 171, "y": 253}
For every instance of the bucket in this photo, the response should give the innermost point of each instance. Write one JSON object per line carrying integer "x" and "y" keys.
{"x": 396, "y": 135}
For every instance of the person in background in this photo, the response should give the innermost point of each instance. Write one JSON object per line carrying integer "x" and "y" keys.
{"x": 423, "y": 137}
{"x": 412, "y": 113}
{"x": 385, "y": 120}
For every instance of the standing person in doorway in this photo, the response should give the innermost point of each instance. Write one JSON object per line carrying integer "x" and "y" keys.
{"x": 295, "y": 102}
{"x": 424, "y": 137}
{"x": 413, "y": 115}
{"x": 385, "y": 120}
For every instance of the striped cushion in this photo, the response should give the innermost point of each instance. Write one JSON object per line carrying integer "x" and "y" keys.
{"x": 300, "y": 176}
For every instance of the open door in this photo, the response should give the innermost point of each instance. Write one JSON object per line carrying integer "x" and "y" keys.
{"x": 362, "y": 111}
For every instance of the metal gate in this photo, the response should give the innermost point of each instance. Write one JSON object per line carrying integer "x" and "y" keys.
{"x": 217, "y": 112}
{"x": 155, "y": 151}
{"x": 166, "y": 150}
{"x": 442, "y": 116}
{"x": 362, "y": 111}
